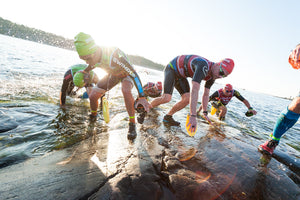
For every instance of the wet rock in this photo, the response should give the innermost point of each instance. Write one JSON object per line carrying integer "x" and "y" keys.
{"x": 172, "y": 163}
{"x": 107, "y": 166}
{"x": 188, "y": 188}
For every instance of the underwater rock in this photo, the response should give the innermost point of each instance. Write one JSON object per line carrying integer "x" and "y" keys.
{"x": 7, "y": 122}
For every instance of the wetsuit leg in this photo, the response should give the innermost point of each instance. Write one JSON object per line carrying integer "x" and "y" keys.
{"x": 182, "y": 86}
{"x": 169, "y": 80}
{"x": 67, "y": 87}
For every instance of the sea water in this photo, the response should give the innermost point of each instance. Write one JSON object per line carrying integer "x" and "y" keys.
{"x": 30, "y": 82}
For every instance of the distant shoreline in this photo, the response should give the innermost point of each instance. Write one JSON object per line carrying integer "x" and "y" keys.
{"x": 23, "y": 32}
{"x": 35, "y": 35}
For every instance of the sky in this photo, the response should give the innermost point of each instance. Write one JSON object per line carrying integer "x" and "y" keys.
{"x": 257, "y": 34}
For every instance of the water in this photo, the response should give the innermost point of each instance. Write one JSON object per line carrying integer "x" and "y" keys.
{"x": 30, "y": 81}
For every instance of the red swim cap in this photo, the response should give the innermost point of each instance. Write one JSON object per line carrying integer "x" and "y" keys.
{"x": 228, "y": 87}
{"x": 158, "y": 86}
{"x": 227, "y": 64}
{"x": 153, "y": 90}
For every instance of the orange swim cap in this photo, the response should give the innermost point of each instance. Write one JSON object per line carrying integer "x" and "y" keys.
{"x": 294, "y": 58}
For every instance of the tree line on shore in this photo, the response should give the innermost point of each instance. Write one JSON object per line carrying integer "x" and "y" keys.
{"x": 23, "y": 32}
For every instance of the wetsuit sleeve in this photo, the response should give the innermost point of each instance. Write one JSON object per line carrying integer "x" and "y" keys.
{"x": 120, "y": 61}
{"x": 89, "y": 68}
{"x": 214, "y": 96}
{"x": 64, "y": 89}
{"x": 201, "y": 70}
{"x": 238, "y": 95}
{"x": 209, "y": 83}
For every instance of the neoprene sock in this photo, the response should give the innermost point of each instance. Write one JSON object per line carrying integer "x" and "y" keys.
{"x": 85, "y": 95}
{"x": 285, "y": 121}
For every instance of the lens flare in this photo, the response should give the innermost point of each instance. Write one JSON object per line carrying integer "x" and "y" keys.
{"x": 184, "y": 155}
{"x": 202, "y": 176}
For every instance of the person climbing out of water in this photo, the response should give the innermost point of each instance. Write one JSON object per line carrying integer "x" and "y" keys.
{"x": 152, "y": 90}
{"x": 176, "y": 74}
{"x": 222, "y": 97}
{"x": 288, "y": 117}
{"x": 118, "y": 68}
{"x": 72, "y": 79}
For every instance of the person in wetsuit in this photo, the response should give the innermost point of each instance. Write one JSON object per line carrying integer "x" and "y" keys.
{"x": 175, "y": 76}
{"x": 222, "y": 97}
{"x": 118, "y": 68}
{"x": 153, "y": 90}
{"x": 289, "y": 116}
{"x": 68, "y": 86}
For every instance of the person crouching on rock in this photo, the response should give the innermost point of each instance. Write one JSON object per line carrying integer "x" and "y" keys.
{"x": 175, "y": 76}
{"x": 152, "y": 90}
{"x": 72, "y": 79}
{"x": 118, "y": 68}
{"x": 222, "y": 97}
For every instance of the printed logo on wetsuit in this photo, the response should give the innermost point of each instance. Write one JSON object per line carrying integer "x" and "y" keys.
{"x": 205, "y": 70}
{"x": 120, "y": 55}
{"x": 122, "y": 65}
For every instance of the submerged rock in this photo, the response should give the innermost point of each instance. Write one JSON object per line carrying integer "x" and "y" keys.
{"x": 7, "y": 122}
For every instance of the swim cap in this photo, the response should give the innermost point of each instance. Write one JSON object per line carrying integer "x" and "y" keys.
{"x": 228, "y": 87}
{"x": 78, "y": 79}
{"x": 139, "y": 108}
{"x": 294, "y": 59}
{"x": 158, "y": 86}
{"x": 153, "y": 90}
{"x": 227, "y": 64}
{"x": 84, "y": 44}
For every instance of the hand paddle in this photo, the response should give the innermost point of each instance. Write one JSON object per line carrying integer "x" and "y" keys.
{"x": 191, "y": 133}
{"x": 213, "y": 110}
{"x": 105, "y": 109}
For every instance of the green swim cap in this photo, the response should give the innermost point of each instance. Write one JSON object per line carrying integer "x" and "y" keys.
{"x": 85, "y": 44}
{"x": 78, "y": 79}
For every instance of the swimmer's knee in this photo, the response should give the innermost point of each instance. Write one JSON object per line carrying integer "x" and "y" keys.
{"x": 96, "y": 89}
{"x": 96, "y": 93}
{"x": 295, "y": 105}
{"x": 126, "y": 86}
{"x": 297, "y": 101}
{"x": 185, "y": 98}
{"x": 166, "y": 98}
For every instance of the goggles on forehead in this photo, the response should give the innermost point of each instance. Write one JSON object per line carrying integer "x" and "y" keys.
{"x": 221, "y": 72}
